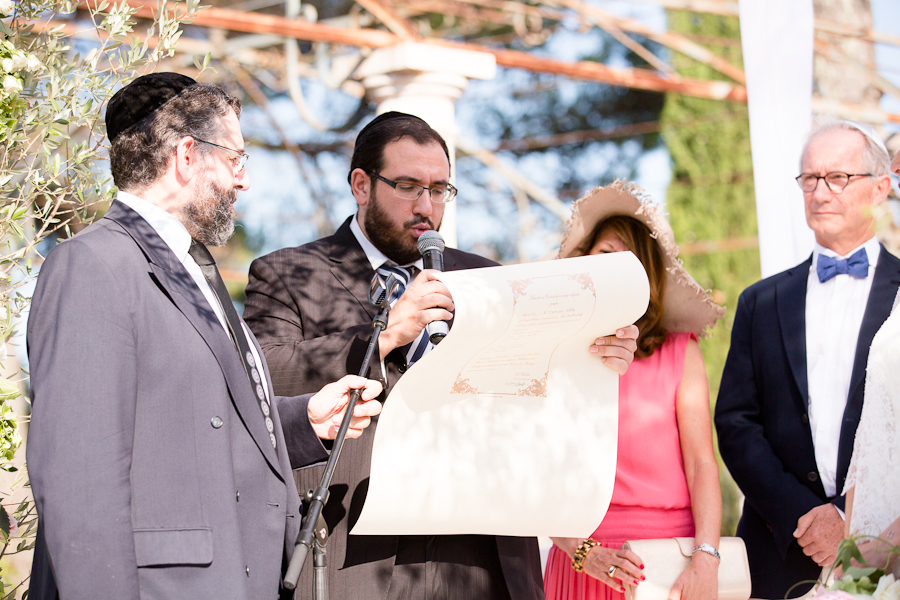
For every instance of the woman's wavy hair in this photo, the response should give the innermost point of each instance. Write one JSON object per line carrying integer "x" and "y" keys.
{"x": 637, "y": 237}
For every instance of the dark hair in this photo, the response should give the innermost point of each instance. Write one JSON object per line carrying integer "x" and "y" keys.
{"x": 140, "y": 155}
{"x": 637, "y": 237}
{"x": 368, "y": 153}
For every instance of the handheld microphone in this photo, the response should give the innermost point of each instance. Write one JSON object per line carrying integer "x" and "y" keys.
{"x": 431, "y": 247}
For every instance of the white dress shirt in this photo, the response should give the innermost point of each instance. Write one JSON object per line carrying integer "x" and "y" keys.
{"x": 834, "y": 314}
{"x": 177, "y": 238}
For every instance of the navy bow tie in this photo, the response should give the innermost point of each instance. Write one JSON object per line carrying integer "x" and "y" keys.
{"x": 857, "y": 265}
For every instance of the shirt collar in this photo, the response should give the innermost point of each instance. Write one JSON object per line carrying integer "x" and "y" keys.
{"x": 375, "y": 256}
{"x": 170, "y": 229}
{"x": 873, "y": 251}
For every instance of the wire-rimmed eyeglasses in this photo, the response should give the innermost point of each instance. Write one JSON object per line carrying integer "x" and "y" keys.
{"x": 836, "y": 181}
{"x": 411, "y": 191}
{"x": 240, "y": 158}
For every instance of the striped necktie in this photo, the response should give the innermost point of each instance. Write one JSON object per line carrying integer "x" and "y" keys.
{"x": 421, "y": 345}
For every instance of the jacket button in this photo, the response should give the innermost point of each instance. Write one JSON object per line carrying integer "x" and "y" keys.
{"x": 812, "y": 476}
{"x": 402, "y": 368}
{"x": 237, "y": 496}
{"x": 805, "y": 419}
{"x": 216, "y": 422}
{"x": 248, "y": 571}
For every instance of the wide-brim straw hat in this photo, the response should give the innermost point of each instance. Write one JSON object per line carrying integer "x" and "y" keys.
{"x": 686, "y": 306}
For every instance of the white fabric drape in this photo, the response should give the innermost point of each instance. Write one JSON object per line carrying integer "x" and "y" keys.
{"x": 777, "y": 42}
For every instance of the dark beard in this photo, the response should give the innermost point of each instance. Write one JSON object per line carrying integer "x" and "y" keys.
{"x": 396, "y": 243}
{"x": 208, "y": 217}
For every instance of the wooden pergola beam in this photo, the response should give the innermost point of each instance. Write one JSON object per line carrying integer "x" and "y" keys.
{"x": 726, "y": 8}
{"x": 391, "y": 19}
{"x": 615, "y": 26}
{"x": 251, "y": 22}
{"x": 729, "y": 8}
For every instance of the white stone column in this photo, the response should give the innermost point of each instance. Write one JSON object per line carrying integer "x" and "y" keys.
{"x": 425, "y": 80}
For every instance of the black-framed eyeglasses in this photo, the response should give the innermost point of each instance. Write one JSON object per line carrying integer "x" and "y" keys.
{"x": 411, "y": 191}
{"x": 240, "y": 158}
{"x": 836, "y": 182}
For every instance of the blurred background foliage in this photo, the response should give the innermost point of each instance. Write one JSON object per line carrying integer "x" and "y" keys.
{"x": 711, "y": 198}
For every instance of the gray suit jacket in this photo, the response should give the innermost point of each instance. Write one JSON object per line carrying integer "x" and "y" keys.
{"x": 149, "y": 458}
{"x": 308, "y": 307}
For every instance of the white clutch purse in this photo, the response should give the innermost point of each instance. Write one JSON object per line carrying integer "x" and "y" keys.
{"x": 665, "y": 559}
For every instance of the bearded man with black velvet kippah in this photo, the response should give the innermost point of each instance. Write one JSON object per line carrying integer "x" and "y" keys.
{"x": 155, "y": 450}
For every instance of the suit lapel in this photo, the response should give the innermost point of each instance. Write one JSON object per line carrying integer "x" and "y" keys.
{"x": 172, "y": 277}
{"x": 350, "y": 266}
{"x": 791, "y": 305}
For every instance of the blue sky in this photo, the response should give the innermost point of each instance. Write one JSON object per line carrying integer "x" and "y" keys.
{"x": 886, "y": 19}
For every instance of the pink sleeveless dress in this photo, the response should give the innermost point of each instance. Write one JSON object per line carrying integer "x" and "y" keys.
{"x": 651, "y": 497}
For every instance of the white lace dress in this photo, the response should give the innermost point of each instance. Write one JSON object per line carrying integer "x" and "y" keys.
{"x": 875, "y": 466}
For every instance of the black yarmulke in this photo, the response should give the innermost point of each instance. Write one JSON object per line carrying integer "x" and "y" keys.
{"x": 141, "y": 98}
{"x": 388, "y": 116}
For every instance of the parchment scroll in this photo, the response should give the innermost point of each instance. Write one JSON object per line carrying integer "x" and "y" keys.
{"x": 508, "y": 426}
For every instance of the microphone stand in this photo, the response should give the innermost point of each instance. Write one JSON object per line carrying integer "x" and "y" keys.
{"x": 313, "y": 529}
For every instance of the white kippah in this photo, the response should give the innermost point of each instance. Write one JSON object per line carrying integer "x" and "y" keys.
{"x": 869, "y": 133}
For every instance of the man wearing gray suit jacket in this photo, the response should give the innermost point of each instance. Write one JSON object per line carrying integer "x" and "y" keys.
{"x": 155, "y": 451}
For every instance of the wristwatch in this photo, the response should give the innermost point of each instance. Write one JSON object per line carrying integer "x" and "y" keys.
{"x": 709, "y": 549}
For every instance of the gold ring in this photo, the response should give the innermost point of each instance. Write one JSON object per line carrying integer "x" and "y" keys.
{"x": 612, "y": 571}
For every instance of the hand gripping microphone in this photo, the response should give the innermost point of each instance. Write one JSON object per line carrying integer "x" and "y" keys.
{"x": 431, "y": 247}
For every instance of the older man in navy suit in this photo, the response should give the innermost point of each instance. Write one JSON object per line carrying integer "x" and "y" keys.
{"x": 792, "y": 390}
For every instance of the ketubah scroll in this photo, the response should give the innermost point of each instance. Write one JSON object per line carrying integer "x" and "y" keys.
{"x": 508, "y": 426}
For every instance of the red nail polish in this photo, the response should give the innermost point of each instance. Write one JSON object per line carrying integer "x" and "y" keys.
{"x": 635, "y": 582}
{"x": 643, "y": 578}
{"x": 622, "y": 590}
{"x": 642, "y": 566}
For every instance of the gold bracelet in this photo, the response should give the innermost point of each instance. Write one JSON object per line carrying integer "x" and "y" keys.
{"x": 581, "y": 553}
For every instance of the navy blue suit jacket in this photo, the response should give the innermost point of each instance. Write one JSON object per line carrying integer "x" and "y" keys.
{"x": 762, "y": 418}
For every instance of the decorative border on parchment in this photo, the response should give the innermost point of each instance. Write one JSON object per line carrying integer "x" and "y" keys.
{"x": 584, "y": 279}
{"x": 537, "y": 389}
{"x": 461, "y": 386}
{"x": 518, "y": 288}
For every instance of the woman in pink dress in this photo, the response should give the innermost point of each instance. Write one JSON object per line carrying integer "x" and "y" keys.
{"x": 667, "y": 480}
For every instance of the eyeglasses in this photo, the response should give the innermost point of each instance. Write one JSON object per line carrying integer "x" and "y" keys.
{"x": 836, "y": 182}
{"x": 411, "y": 191}
{"x": 240, "y": 158}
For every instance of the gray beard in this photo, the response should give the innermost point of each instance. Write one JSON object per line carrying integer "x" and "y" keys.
{"x": 208, "y": 217}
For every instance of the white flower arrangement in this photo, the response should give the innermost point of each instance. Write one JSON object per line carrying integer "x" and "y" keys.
{"x": 862, "y": 582}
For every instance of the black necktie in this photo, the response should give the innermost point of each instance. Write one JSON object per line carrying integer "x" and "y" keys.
{"x": 208, "y": 267}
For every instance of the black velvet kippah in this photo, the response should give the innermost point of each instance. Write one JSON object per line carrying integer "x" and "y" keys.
{"x": 141, "y": 98}
{"x": 388, "y": 116}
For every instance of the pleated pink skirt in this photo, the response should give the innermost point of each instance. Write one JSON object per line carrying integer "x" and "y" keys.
{"x": 622, "y": 523}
